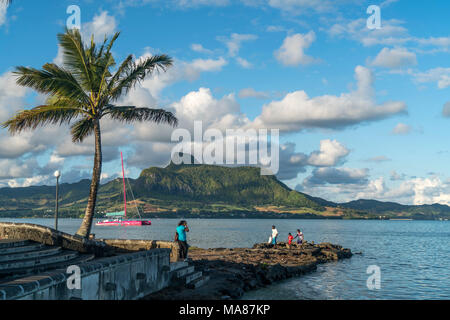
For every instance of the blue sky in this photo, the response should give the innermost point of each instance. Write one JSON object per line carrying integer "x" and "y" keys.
{"x": 361, "y": 112}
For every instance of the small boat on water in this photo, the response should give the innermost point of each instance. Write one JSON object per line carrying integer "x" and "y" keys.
{"x": 120, "y": 218}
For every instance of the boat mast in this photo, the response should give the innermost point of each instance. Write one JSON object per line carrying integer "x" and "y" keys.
{"x": 124, "y": 190}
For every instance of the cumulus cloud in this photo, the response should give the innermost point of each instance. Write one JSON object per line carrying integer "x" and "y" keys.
{"x": 395, "y": 176}
{"x": 102, "y": 25}
{"x": 336, "y": 176}
{"x": 401, "y": 129}
{"x": 331, "y": 152}
{"x": 394, "y": 58}
{"x": 292, "y": 51}
{"x": 415, "y": 191}
{"x": 297, "y": 111}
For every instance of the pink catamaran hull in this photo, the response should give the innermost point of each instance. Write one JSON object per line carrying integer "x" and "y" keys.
{"x": 124, "y": 223}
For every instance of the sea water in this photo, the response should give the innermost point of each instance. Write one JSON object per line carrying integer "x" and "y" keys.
{"x": 413, "y": 257}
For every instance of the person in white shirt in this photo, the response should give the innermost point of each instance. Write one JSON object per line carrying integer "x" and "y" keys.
{"x": 299, "y": 237}
{"x": 274, "y": 235}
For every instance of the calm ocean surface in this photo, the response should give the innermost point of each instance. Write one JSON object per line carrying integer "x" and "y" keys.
{"x": 413, "y": 256}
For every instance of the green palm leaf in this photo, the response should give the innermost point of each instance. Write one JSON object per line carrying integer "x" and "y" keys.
{"x": 82, "y": 129}
{"x": 51, "y": 80}
{"x": 134, "y": 73}
{"x": 130, "y": 114}
{"x": 41, "y": 116}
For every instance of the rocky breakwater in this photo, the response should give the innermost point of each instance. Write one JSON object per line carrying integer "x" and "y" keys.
{"x": 234, "y": 271}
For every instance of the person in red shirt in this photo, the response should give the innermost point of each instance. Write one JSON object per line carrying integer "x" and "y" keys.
{"x": 290, "y": 238}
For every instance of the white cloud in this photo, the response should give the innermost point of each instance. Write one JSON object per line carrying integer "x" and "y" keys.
{"x": 11, "y": 96}
{"x": 296, "y": 111}
{"x": 401, "y": 129}
{"x": 244, "y": 63}
{"x": 331, "y": 152}
{"x": 394, "y": 58}
{"x": 12, "y": 169}
{"x": 3, "y": 11}
{"x": 235, "y": 41}
{"x": 194, "y": 68}
{"x": 292, "y": 50}
{"x": 199, "y": 48}
{"x": 392, "y": 33}
{"x": 102, "y": 25}
{"x": 336, "y": 176}
{"x": 395, "y": 176}
{"x": 252, "y": 93}
{"x": 181, "y": 70}
{"x": 439, "y": 75}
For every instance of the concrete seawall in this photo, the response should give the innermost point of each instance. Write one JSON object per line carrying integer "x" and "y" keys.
{"x": 125, "y": 277}
{"x": 117, "y": 270}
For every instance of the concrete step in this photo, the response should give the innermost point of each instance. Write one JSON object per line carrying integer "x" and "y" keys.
{"x": 184, "y": 271}
{"x": 178, "y": 265}
{"x": 47, "y": 251}
{"x": 193, "y": 276}
{"x": 6, "y": 243}
{"x": 26, "y": 248}
{"x": 198, "y": 283}
{"x": 11, "y": 266}
{"x": 19, "y": 274}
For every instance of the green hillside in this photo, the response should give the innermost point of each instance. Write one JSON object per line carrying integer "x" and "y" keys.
{"x": 202, "y": 191}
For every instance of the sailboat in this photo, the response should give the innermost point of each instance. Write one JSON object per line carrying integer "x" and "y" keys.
{"x": 120, "y": 218}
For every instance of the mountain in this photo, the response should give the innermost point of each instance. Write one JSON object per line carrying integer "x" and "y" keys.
{"x": 201, "y": 191}
{"x": 425, "y": 211}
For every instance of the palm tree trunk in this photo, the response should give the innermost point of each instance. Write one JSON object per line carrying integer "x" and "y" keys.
{"x": 85, "y": 228}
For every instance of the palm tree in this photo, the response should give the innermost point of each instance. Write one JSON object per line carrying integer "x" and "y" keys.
{"x": 82, "y": 91}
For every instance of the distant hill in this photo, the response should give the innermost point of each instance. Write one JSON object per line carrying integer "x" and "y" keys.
{"x": 202, "y": 191}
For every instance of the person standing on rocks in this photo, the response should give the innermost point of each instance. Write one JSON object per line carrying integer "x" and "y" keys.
{"x": 274, "y": 235}
{"x": 290, "y": 238}
{"x": 180, "y": 237}
{"x": 299, "y": 237}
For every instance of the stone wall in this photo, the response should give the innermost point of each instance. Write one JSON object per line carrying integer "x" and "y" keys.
{"x": 51, "y": 237}
{"x": 100, "y": 247}
{"x": 123, "y": 277}
{"x": 138, "y": 245}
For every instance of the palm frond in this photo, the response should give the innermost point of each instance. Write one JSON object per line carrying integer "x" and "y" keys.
{"x": 40, "y": 116}
{"x": 82, "y": 129}
{"x": 103, "y": 62}
{"x": 51, "y": 80}
{"x": 130, "y": 114}
{"x": 134, "y": 73}
{"x": 75, "y": 58}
